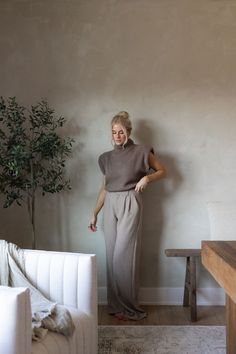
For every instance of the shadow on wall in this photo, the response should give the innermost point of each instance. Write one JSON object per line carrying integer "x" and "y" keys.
{"x": 154, "y": 199}
{"x": 56, "y": 211}
{"x": 14, "y": 224}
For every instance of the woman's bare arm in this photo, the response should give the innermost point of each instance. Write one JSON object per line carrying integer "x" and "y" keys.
{"x": 155, "y": 164}
{"x": 160, "y": 172}
{"x": 98, "y": 206}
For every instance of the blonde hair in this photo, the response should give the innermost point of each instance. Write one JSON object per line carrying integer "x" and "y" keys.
{"x": 122, "y": 118}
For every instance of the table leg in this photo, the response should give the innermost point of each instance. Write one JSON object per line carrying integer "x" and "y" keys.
{"x": 193, "y": 291}
{"x": 230, "y": 325}
{"x": 187, "y": 283}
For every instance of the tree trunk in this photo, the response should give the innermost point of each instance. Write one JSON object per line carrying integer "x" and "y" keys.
{"x": 31, "y": 211}
{"x": 31, "y": 205}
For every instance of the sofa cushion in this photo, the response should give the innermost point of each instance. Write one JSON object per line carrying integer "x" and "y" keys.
{"x": 55, "y": 343}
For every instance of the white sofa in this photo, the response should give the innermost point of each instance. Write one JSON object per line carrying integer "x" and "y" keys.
{"x": 67, "y": 278}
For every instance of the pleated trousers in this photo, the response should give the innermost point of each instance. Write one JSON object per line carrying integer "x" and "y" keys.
{"x": 122, "y": 230}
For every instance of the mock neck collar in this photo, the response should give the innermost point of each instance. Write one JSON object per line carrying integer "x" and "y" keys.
{"x": 123, "y": 147}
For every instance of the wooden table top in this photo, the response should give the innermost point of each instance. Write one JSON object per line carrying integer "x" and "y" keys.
{"x": 219, "y": 258}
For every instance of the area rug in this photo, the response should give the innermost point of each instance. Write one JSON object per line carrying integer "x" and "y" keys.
{"x": 161, "y": 340}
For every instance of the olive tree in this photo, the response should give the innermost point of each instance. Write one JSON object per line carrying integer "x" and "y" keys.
{"x": 32, "y": 154}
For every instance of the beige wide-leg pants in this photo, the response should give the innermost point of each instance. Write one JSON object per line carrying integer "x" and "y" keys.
{"x": 122, "y": 230}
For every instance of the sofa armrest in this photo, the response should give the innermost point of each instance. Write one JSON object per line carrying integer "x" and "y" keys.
{"x": 87, "y": 285}
{"x": 15, "y": 321}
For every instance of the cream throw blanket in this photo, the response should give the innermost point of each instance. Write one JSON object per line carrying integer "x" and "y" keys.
{"x": 46, "y": 315}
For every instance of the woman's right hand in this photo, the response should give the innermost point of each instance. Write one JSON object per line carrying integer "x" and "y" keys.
{"x": 93, "y": 222}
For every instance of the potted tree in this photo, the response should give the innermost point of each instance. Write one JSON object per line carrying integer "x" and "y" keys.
{"x": 32, "y": 154}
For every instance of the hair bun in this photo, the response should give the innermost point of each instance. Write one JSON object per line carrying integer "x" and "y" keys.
{"x": 123, "y": 114}
{"x": 122, "y": 118}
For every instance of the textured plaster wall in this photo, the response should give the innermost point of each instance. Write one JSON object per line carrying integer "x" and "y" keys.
{"x": 171, "y": 64}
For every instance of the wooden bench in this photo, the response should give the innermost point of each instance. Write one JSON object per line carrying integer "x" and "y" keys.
{"x": 190, "y": 288}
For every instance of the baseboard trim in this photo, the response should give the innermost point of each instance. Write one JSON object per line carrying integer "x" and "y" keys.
{"x": 172, "y": 296}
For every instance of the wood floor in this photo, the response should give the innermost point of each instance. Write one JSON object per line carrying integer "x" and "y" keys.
{"x": 169, "y": 315}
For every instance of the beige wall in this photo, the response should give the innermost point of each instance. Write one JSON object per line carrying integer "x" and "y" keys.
{"x": 171, "y": 64}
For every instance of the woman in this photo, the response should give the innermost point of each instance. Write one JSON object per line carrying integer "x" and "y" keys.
{"x": 124, "y": 178}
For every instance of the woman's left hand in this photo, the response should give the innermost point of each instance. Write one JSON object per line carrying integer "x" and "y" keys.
{"x": 142, "y": 184}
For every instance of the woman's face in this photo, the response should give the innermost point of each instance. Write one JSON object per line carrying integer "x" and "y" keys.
{"x": 118, "y": 134}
